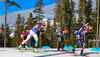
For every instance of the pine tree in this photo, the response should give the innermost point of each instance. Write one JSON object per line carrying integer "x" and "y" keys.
{"x": 54, "y": 32}
{"x": 47, "y": 33}
{"x": 2, "y": 27}
{"x": 17, "y": 36}
{"x": 30, "y": 23}
{"x": 12, "y": 3}
{"x": 80, "y": 12}
{"x": 88, "y": 11}
{"x": 70, "y": 24}
{"x": 39, "y": 10}
{"x": 57, "y": 16}
{"x": 7, "y": 35}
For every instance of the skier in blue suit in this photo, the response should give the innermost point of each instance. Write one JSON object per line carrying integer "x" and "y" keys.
{"x": 80, "y": 37}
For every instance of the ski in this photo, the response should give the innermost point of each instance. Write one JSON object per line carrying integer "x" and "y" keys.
{"x": 37, "y": 52}
{"x": 66, "y": 51}
{"x": 22, "y": 48}
{"x": 75, "y": 54}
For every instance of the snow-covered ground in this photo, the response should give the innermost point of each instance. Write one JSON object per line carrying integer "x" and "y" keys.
{"x": 14, "y": 52}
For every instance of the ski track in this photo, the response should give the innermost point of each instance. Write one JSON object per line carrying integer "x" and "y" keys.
{"x": 14, "y": 52}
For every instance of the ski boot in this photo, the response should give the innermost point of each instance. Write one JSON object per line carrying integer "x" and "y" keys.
{"x": 82, "y": 54}
{"x": 58, "y": 49}
{"x": 26, "y": 47}
{"x": 73, "y": 50}
{"x": 63, "y": 49}
{"x": 34, "y": 50}
{"x": 19, "y": 47}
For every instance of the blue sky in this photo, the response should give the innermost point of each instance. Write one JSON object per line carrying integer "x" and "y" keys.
{"x": 25, "y": 4}
{"x": 27, "y": 7}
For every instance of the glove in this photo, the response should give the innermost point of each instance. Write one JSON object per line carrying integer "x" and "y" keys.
{"x": 42, "y": 30}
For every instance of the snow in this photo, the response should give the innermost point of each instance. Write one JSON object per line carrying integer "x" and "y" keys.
{"x": 14, "y": 52}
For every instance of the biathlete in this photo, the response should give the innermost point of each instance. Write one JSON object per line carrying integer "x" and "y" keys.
{"x": 1, "y": 32}
{"x": 24, "y": 36}
{"x": 60, "y": 36}
{"x": 80, "y": 37}
{"x": 33, "y": 32}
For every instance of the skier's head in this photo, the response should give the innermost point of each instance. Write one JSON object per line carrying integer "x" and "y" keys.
{"x": 62, "y": 30}
{"x": 0, "y": 30}
{"x": 90, "y": 27}
{"x": 43, "y": 24}
{"x": 66, "y": 31}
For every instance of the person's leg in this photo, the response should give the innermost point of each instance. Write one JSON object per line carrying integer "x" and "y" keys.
{"x": 82, "y": 49}
{"x": 36, "y": 40}
{"x": 63, "y": 44}
{"x": 28, "y": 37}
{"x": 59, "y": 45}
{"x": 20, "y": 46}
{"x": 59, "y": 39}
{"x": 22, "y": 39}
{"x": 26, "y": 44}
{"x": 78, "y": 41}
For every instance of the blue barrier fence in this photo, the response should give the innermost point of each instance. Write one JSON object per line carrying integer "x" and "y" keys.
{"x": 46, "y": 47}
{"x": 95, "y": 49}
{"x": 30, "y": 47}
{"x": 68, "y": 47}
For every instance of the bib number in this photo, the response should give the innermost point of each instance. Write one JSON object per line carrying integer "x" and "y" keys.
{"x": 59, "y": 38}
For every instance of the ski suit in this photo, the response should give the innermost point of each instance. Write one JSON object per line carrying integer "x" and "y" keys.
{"x": 61, "y": 39}
{"x": 33, "y": 32}
{"x": 80, "y": 36}
{"x": 60, "y": 36}
{"x": 24, "y": 36}
{"x": 0, "y": 31}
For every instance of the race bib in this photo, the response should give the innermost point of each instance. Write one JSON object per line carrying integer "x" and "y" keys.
{"x": 59, "y": 38}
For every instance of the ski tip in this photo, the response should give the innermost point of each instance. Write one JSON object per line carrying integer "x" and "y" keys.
{"x": 26, "y": 49}
{"x": 87, "y": 56}
{"x": 18, "y": 48}
{"x": 35, "y": 51}
{"x": 62, "y": 51}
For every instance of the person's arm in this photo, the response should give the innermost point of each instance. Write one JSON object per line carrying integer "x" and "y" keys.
{"x": 41, "y": 31}
{"x": 59, "y": 34}
{"x": 83, "y": 26}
